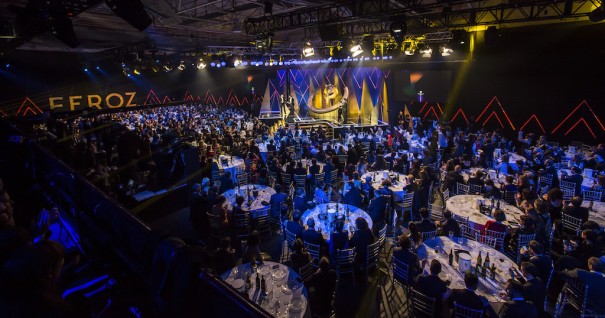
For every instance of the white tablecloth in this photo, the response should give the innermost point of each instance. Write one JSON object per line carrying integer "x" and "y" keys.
{"x": 336, "y": 146}
{"x": 598, "y": 212}
{"x": 488, "y": 288}
{"x": 325, "y": 225}
{"x": 512, "y": 160}
{"x": 282, "y": 285}
{"x": 499, "y": 180}
{"x": 397, "y": 186}
{"x": 587, "y": 183}
{"x": 264, "y": 194}
{"x": 465, "y": 205}
{"x": 233, "y": 165}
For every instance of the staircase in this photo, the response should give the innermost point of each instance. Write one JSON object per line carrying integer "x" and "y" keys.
{"x": 325, "y": 125}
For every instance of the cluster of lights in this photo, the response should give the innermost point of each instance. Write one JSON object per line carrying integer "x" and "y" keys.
{"x": 87, "y": 69}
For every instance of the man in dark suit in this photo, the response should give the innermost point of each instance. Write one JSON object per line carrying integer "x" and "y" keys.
{"x": 328, "y": 168}
{"x": 549, "y": 169}
{"x": 454, "y": 177}
{"x": 431, "y": 285}
{"x": 517, "y": 306}
{"x": 293, "y": 226}
{"x": 542, "y": 262}
{"x": 534, "y": 289}
{"x": 353, "y": 196}
{"x": 377, "y": 211}
{"x": 352, "y": 156}
{"x": 448, "y": 224}
{"x": 426, "y": 225}
{"x": 271, "y": 146}
{"x": 594, "y": 278}
{"x": 576, "y": 209}
{"x": 467, "y": 297}
{"x": 324, "y": 284}
{"x": 310, "y": 235}
{"x": 300, "y": 201}
{"x": 276, "y": 201}
{"x": 576, "y": 178}
{"x": 403, "y": 254}
{"x": 226, "y": 182}
{"x": 367, "y": 187}
{"x": 300, "y": 170}
{"x": 314, "y": 168}
{"x": 491, "y": 191}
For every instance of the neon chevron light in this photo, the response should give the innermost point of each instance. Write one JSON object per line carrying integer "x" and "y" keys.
{"x": 460, "y": 111}
{"x": 152, "y": 98}
{"x": 536, "y": 119}
{"x": 28, "y": 108}
{"x": 497, "y": 117}
{"x": 585, "y": 124}
{"x": 495, "y": 98}
{"x": 573, "y": 111}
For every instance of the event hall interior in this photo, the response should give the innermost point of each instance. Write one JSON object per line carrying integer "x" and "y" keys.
{"x": 302, "y": 158}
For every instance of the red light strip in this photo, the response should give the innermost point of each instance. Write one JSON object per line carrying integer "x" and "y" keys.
{"x": 153, "y": 99}
{"x": 485, "y": 109}
{"x": 566, "y": 118}
{"x": 537, "y": 120}
{"x": 23, "y": 104}
{"x": 423, "y": 106}
{"x": 434, "y": 113}
{"x": 460, "y": 111}
{"x": 497, "y": 117}
{"x": 3, "y": 113}
{"x": 166, "y": 100}
{"x": 440, "y": 110}
{"x": 585, "y": 124}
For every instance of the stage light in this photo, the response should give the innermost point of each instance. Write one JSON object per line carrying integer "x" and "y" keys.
{"x": 136, "y": 72}
{"x": 237, "y": 62}
{"x": 425, "y": 50}
{"x": 128, "y": 74}
{"x": 98, "y": 68}
{"x": 281, "y": 63}
{"x": 7, "y": 65}
{"x": 86, "y": 69}
{"x": 597, "y": 14}
{"x": 62, "y": 27}
{"x": 200, "y": 64}
{"x": 398, "y": 30}
{"x": 223, "y": 63}
{"x": 410, "y": 49}
{"x": 356, "y": 50}
{"x": 131, "y": 11}
{"x": 182, "y": 66}
{"x": 445, "y": 51}
{"x": 308, "y": 50}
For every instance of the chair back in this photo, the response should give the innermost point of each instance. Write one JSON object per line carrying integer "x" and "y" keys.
{"x": 568, "y": 193}
{"x": 446, "y": 194}
{"x": 461, "y": 188}
{"x": 509, "y": 197}
{"x": 568, "y": 185}
{"x": 345, "y": 260}
{"x": 545, "y": 182}
{"x": 570, "y": 223}
{"x": 465, "y": 312}
{"x": 593, "y": 195}
{"x": 401, "y": 271}
{"x": 263, "y": 220}
{"x": 314, "y": 250}
{"x": 242, "y": 178}
{"x": 242, "y": 225}
{"x": 475, "y": 189}
{"x": 487, "y": 240}
{"x": 287, "y": 179}
{"x": 428, "y": 235}
{"x": 319, "y": 179}
{"x": 422, "y": 305}
{"x": 334, "y": 178}
{"x": 306, "y": 271}
{"x": 372, "y": 255}
{"x": 460, "y": 219}
{"x": 216, "y": 176}
{"x": 300, "y": 181}
{"x": 498, "y": 236}
{"x": 382, "y": 233}
{"x": 290, "y": 238}
{"x": 436, "y": 211}
{"x": 408, "y": 198}
{"x": 469, "y": 232}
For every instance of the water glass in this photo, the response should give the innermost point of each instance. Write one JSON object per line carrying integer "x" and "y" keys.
{"x": 451, "y": 235}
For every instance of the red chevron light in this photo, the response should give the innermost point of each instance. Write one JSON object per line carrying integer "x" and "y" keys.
{"x": 585, "y": 124}
{"x": 497, "y": 117}
{"x": 537, "y": 120}
{"x": 460, "y": 111}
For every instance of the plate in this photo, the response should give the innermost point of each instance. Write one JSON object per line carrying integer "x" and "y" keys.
{"x": 286, "y": 290}
{"x": 238, "y": 283}
{"x": 279, "y": 274}
{"x": 296, "y": 305}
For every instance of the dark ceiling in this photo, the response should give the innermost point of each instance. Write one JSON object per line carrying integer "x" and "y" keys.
{"x": 184, "y": 25}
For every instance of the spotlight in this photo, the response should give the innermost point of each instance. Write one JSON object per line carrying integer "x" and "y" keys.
{"x": 213, "y": 64}
{"x": 426, "y": 50}
{"x": 128, "y": 75}
{"x": 445, "y": 51}
{"x": 7, "y": 65}
{"x": 356, "y": 50}
{"x": 223, "y": 63}
{"x": 136, "y": 72}
{"x": 308, "y": 50}
{"x": 237, "y": 62}
{"x": 597, "y": 14}
{"x": 86, "y": 69}
{"x": 132, "y": 11}
{"x": 182, "y": 66}
{"x": 410, "y": 49}
{"x": 398, "y": 30}
{"x": 200, "y": 64}
{"x": 98, "y": 68}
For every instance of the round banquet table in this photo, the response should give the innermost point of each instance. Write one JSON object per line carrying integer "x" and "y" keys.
{"x": 487, "y": 288}
{"x": 598, "y": 212}
{"x": 465, "y": 206}
{"x": 335, "y": 146}
{"x": 325, "y": 226}
{"x": 587, "y": 182}
{"x": 264, "y": 194}
{"x": 232, "y": 164}
{"x": 306, "y": 164}
{"x": 381, "y": 175}
{"x": 284, "y": 289}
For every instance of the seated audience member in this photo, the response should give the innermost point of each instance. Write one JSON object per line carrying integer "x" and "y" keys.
{"x": 517, "y": 306}
{"x": 361, "y": 239}
{"x": 496, "y": 224}
{"x": 377, "y": 211}
{"x": 576, "y": 178}
{"x": 510, "y": 185}
{"x": 300, "y": 200}
{"x": 403, "y": 254}
{"x": 536, "y": 256}
{"x": 339, "y": 239}
{"x": 224, "y": 258}
{"x": 294, "y": 226}
{"x": 322, "y": 285}
{"x": 276, "y": 201}
{"x": 534, "y": 289}
{"x": 431, "y": 285}
{"x": 448, "y": 224}
{"x": 353, "y": 196}
{"x": 299, "y": 257}
{"x": 576, "y": 210}
{"x": 310, "y": 235}
{"x": 426, "y": 225}
{"x": 526, "y": 226}
{"x": 467, "y": 297}
{"x": 252, "y": 251}
{"x": 594, "y": 278}
{"x": 491, "y": 191}
{"x": 219, "y": 210}
{"x": 320, "y": 196}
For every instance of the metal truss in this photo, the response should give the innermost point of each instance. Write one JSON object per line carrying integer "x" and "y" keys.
{"x": 425, "y": 15}
{"x": 248, "y": 50}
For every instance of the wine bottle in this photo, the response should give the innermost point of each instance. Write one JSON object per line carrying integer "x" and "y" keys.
{"x": 590, "y": 205}
{"x": 263, "y": 284}
{"x": 257, "y": 281}
{"x": 487, "y": 263}
{"x": 248, "y": 282}
{"x": 492, "y": 272}
{"x": 479, "y": 262}
{"x": 483, "y": 271}
{"x": 451, "y": 256}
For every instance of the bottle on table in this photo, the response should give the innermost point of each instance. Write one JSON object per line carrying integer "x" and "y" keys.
{"x": 590, "y": 205}
{"x": 478, "y": 265}
{"x": 257, "y": 281}
{"x": 492, "y": 272}
{"x": 487, "y": 263}
{"x": 263, "y": 284}
{"x": 451, "y": 256}
{"x": 248, "y": 282}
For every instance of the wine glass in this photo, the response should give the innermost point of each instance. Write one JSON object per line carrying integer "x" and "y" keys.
{"x": 451, "y": 235}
